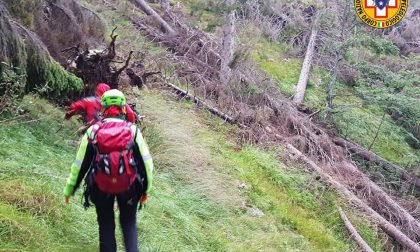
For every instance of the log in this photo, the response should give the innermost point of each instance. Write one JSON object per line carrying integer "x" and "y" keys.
{"x": 386, "y": 226}
{"x": 353, "y": 232}
{"x": 359, "y": 151}
{"x": 384, "y": 223}
{"x": 201, "y": 103}
{"x": 141, "y": 4}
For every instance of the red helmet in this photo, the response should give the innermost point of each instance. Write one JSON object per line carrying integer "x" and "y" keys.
{"x": 101, "y": 88}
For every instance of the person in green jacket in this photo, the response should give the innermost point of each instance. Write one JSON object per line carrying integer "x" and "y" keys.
{"x": 115, "y": 159}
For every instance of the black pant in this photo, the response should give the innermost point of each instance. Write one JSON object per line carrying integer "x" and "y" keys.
{"x": 127, "y": 204}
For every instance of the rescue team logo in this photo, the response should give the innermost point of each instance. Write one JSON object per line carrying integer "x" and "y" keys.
{"x": 381, "y": 13}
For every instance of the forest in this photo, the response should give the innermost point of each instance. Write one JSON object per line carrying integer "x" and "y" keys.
{"x": 275, "y": 125}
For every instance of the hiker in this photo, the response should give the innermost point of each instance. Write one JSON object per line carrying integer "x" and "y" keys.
{"x": 91, "y": 106}
{"x": 116, "y": 161}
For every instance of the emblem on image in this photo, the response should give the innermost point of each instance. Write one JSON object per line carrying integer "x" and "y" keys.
{"x": 381, "y": 13}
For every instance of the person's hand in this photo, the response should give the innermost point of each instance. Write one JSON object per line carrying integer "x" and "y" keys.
{"x": 143, "y": 199}
{"x": 66, "y": 200}
{"x": 68, "y": 115}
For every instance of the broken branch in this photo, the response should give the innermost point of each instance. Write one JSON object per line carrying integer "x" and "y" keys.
{"x": 353, "y": 232}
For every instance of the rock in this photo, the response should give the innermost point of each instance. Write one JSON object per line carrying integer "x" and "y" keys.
{"x": 73, "y": 142}
{"x": 255, "y": 212}
{"x": 242, "y": 185}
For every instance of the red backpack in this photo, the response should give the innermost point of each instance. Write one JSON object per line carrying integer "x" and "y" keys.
{"x": 114, "y": 166}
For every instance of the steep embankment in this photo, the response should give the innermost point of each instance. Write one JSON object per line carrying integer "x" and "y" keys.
{"x": 198, "y": 197}
{"x": 26, "y": 64}
{"x": 375, "y": 104}
{"x": 34, "y": 160}
{"x": 209, "y": 191}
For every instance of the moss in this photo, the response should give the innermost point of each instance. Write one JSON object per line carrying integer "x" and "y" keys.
{"x": 23, "y": 10}
{"x": 12, "y": 48}
{"x": 29, "y": 59}
{"x": 271, "y": 58}
{"x": 48, "y": 78}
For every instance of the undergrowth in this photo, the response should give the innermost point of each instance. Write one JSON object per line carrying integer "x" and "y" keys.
{"x": 34, "y": 161}
{"x": 357, "y": 109}
{"x": 353, "y": 118}
{"x": 294, "y": 203}
{"x": 195, "y": 196}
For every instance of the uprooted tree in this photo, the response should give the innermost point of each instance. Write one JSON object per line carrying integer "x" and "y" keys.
{"x": 96, "y": 66}
{"x": 281, "y": 121}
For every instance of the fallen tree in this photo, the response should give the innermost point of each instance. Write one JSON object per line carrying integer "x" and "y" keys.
{"x": 377, "y": 200}
{"x": 149, "y": 11}
{"x": 357, "y": 150}
{"x": 353, "y": 232}
{"x": 386, "y": 226}
{"x": 184, "y": 94}
{"x": 285, "y": 123}
{"x": 96, "y": 66}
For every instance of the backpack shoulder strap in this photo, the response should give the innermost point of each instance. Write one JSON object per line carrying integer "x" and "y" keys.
{"x": 93, "y": 131}
{"x": 134, "y": 128}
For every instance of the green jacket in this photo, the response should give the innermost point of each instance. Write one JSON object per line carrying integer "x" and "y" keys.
{"x": 85, "y": 155}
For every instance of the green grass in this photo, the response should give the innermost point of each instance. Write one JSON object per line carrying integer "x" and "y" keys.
{"x": 292, "y": 219}
{"x": 195, "y": 196}
{"x": 195, "y": 204}
{"x": 355, "y": 121}
{"x": 34, "y": 162}
{"x": 361, "y": 124}
{"x": 272, "y": 59}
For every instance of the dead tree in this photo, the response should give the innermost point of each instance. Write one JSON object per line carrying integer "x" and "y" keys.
{"x": 228, "y": 43}
{"x": 139, "y": 80}
{"x": 358, "y": 151}
{"x": 306, "y": 67}
{"x": 96, "y": 66}
{"x": 116, "y": 74}
{"x": 149, "y": 11}
{"x": 353, "y": 232}
{"x": 338, "y": 38}
{"x": 386, "y": 226}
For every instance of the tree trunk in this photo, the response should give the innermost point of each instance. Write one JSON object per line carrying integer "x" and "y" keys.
{"x": 359, "y": 151}
{"x": 377, "y": 132}
{"x": 387, "y": 227}
{"x": 164, "y": 4}
{"x": 306, "y": 67}
{"x": 149, "y": 11}
{"x": 201, "y": 103}
{"x": 331, "y": 85}
{"x": 228, "y": 46}
{"x": 353, "y": 232}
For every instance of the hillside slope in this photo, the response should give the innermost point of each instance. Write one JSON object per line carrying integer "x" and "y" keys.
{"x": 212, "y": 191}
{"x": 369, "y": 90}
{"x": 196, "y": 196}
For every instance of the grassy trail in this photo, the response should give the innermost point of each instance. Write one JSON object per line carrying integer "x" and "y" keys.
{"x": 196, "y": 204}
{"x": 201, "y": 168}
